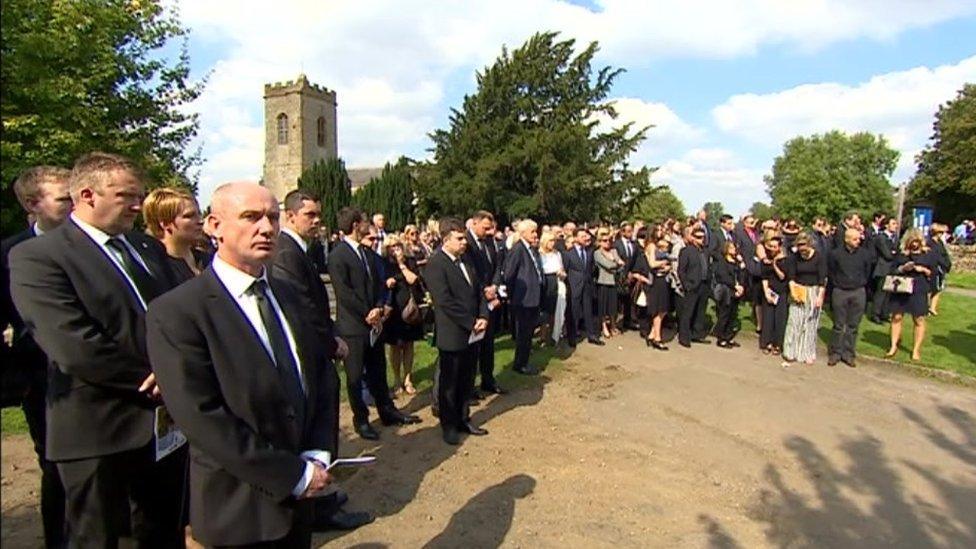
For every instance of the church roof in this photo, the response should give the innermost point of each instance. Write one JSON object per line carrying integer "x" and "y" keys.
{"x": 358, "y": 177}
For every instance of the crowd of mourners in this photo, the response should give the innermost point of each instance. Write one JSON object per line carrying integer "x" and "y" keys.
{"x": 187, "y": 374}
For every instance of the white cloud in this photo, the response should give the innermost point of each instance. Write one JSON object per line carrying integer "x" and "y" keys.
{"x": 899, "y": 105}
{"x": 707, "y": 174}
{"x": 391, "y": 62}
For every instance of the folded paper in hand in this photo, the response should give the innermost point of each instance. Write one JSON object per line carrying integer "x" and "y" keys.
{"x": 168, "y": 437}
{"x": 476, "y": 337}
{"x": 351, "y": 462}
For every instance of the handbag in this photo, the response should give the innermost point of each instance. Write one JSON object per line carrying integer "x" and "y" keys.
{"x": 639, "y": 297}
{"x": 898, "y": 284}
{"x": 411, "y": 313}
{"x": 798, "y": 293}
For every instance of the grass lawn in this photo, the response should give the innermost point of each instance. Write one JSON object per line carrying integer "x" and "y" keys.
{"x": 950, "y": 338}
{"x": 962, "y": 280}
{"x": 426, "y": 357}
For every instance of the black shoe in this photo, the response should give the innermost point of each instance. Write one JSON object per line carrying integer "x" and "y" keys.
{"x": 342, "y": 520}
{"x": 395, "y": 417}
{"x": 472, "y": 430}
{"x": 435, "y": 412}
{"x": 597, "y": 342}
{"x": 649, "y": 342}
{"x": 452, "y": 437}
{"x": 527, "y": 371}
{"x": 494, "y": 390}
{"x": 685, "y": 344}
{"x": 659, "y": 346}
{"x": 732, "y": 344}
{"x": 476, "y": 396}
{"x": 700, "y": 340}
{"x": 831, "y": 361}
{"x": 876, "y": 320}
{"x": 722, "y": 344}
{"x": 365, "y": 431}
{"x": 850, "y": 362}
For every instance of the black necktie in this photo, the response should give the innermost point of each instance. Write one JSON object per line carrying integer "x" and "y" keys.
{"x": 142, "y": 279}
{"x": 283, "y": 357}
{"x": 362, "y": 257}
{"x": 457, "y": 263}
{"x": 582, "y": 255}
{"x": 484, "y": 250}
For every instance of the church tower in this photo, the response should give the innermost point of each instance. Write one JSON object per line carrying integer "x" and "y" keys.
{"x": 299, "y": 130}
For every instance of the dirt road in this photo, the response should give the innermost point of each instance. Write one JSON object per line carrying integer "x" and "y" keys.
{"x": 626, "y": 446}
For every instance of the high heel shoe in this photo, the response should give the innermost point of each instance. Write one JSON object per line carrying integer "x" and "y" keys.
{"x": 659, "y": 346}
{"x": 649, "y": 342}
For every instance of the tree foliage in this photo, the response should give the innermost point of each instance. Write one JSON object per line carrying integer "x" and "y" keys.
{"x": 762, "y": 211}
{"x": 390, "y": 194}
{"x": 528, "y": 142}
{"x": 946, "y": 173}
{"x": 715, "y": 210}
{"x": 329, "y": 181}
{"x": 84, "y": 75}
{"x": 658, "y": 205}
{"x": 829, "y": 174}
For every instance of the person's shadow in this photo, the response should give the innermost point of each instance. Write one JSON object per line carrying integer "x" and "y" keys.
{"x": 485, "y": 519}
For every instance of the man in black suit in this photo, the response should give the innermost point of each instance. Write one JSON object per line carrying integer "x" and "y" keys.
{"x": 459, "y": 311}
{"x": 580, "y": 270}
{"x": 480, "y": 252}
{"x": 627, "y": 249}
{"x": 82, "y": 291}
{"x": 693, "y": 273}
{"x": 43, "y": 193}
{"x": 245, "y": 375}
{"x": 360, "y": 296}
{"x": 885, "y": 246}
{"x": 293, "y": 264}
{"x": 565, "y": 241}
{"x": 724, "y": 235}
{"x": 523, "y": 283}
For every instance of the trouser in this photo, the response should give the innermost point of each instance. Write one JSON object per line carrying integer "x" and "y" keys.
{"x": 526, "y": 319}
{"x": 369, "y": 362}
{"x": 691, "y": 318}
{"x": 52, "y": 491}
{"x": 774, "y": 322}
{"x": 725, "y": 307}
{"x": 626, "y": 307}
{"x": 486, "y": 354}
{"x": 879, "y": 305}
{"x": 124, "y": 494}
{"x": 848, "y": 308}
{"x": 326, "y": 506}
{"x": 581, "y": 311}
{"x": 455, "y": 371}
{"x": 299, "y": 537}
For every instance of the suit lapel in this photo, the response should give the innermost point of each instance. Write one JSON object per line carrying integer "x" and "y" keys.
{"x": 106, "y": 268}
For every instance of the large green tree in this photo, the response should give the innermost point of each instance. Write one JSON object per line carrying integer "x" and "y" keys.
{"x": 828, "y": 174}
{"x": 762, "y": 211}
{"x": 80, "y": 75}
{"x": 946, "y": 174}
{"x": 715, "y": 210}
{"x": 329, "y": 181}
{"x": 529, "y": 141}
{"x": 658, "y": 205}
{"x": 390, "y": 194}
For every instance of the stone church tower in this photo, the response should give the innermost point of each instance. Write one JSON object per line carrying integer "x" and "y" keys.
{"x": 299, "y": 130}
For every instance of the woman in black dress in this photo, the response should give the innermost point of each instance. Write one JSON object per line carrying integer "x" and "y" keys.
{"x": 651, "y": 269}
{"x": 403, "y": 282}
{"x": 173, "y": 217}
{"x": 727, "y": 291}
{"x": 937, "y": 236}
{"x": 917, "y": 262}
{"x": 775, "y": 287}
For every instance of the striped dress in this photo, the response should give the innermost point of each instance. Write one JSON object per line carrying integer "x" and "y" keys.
{"x": 803, "y": 319}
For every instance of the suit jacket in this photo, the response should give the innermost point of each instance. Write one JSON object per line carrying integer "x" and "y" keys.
{"x": 79, "y": 308}
{"x": 692, "y": 270}
{"x": 716, "y": 248}
{"x": 222, "y": 389}
{"x": 622, "y": 252}
{"x": 885, "y": 250}
{"x": 356, "y": 292}
{"x": 296, "y": 267}
{"x": 24, "y": 363}
{"x": 457, "y": 304}
{"x": 745, "y": 244}
{"x": 579, "y": 273}
{"x": 522, "y": 277}
{"x": 484, "y": 266}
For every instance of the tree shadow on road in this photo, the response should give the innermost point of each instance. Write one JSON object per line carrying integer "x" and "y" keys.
{"x": 485, "y": 519}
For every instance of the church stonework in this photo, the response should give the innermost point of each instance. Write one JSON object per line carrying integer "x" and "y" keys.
{"x": 299, "y": 130}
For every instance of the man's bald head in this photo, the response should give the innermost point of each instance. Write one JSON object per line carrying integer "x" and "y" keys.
{"x": 230, "y": 194}
{"x": 244, "y": 220}
{"x": 852, "y": 237}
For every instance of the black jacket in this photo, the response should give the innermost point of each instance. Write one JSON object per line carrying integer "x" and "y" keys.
{"x": 522, "y": 277}
{"x": 457, "y": 304}
{"x": 24, "y": 363}
{"x": 485, "y": 263}
{"x": 296, "y": 267}
{"x": 579, "y": 272}
{"x": 356, "y": 292}
{"x": 692, "y": 267}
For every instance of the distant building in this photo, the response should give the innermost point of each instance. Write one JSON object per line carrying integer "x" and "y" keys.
{"x": 358, "y": 177}
{"x": 299, "y": 130}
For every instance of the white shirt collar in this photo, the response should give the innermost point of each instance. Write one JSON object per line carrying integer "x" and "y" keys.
{"x": 37, "y": 230}
{"x": 294, "y": 236}
{"x": 235, "y": 280}
{"x": 449, "y": 254}
{"x": 96, "y": 234}
{"x": 351, "y": 242}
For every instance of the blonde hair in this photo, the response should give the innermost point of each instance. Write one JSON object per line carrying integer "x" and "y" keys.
{"x": 392, "y": 240}
{"x": 27, "y": 187}
{"x": 912, "y": 235}
{"x": 162, "y": 206}
{"x": 602, "y": 232}
{"x": 546, "y": 238}
{"x": 92, "y": 171}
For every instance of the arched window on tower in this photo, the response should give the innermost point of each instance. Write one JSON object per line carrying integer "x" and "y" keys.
{"x": 320, "y": 131}
{"x": 282, "y": 129}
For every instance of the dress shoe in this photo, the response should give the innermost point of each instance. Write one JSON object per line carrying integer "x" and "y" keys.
{"x": 700, "y": 340}
{"x": 659, "y": 346}
{"x": 597, "y": 342}
{"x": 685, "y": 344}
{"x": 494, "y": 390}
{"x": 395, "y": 417}
{"x": 365, "y": 431}
{"x": 343, "y": 520}
{"x": 435, "y": 412}
{"x": 831, "y": 361}
{"x": 472, "y": 430}
{"x": 452, "y": 437}
{"x": 850, "y": 362}
{"x": 732, "y": 344}
{"x": 527, "y": 371}
{"x": 476, "y": 396}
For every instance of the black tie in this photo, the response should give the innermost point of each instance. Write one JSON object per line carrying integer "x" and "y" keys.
{"x": 283, "y": 357}
{"x": 457, "y": 262}
{"x": 142, "y": 279}
{"x": 362, "y": 257}
{"x": 484, "y": 250}
{"x": 582, "y": 255}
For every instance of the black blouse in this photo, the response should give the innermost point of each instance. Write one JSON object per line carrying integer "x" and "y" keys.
{"x": 807, "y": 272}
{"x": 727, "y": 273}
{"x": 767, "y": 272}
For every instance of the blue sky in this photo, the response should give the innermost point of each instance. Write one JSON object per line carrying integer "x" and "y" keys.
{"x": 724, "y": 83}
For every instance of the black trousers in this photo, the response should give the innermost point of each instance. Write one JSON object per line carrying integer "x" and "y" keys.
{"x": 52, "y": 491}
{"x": 126, "y": 494}
{"x": 626, "y": 306}
{"x": 725, "y": 309}
{"x": 454, "y": 380}
{"x": 691, "y": 316}
{"x": 848, "y": 309}
{"x": 526, "y": 319}
{"x": 879, "y": 301}
{"x": 486, "y": 353}
{"x": 580, "y": 311}
{"x": 774, "y": 321}
{"x": 299, "y": 537}
{"x": 326, "y": 506}
{"x": 366, "y": 362}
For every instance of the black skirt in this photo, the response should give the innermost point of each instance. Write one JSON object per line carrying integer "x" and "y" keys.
{"x": 606, "y": 301}
{"x": 915, "y": 303}
{"x": 551, "y": 295}
{"x": 658, "y": 296}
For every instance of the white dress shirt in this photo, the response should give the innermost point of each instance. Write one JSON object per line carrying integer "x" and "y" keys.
{"x": 294, "y": 236}
{"x": 238, "y": 285}
{"x": 552, "y": 262}
{"x": 101, "y": 238}
{"x": 456, "y": 260}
